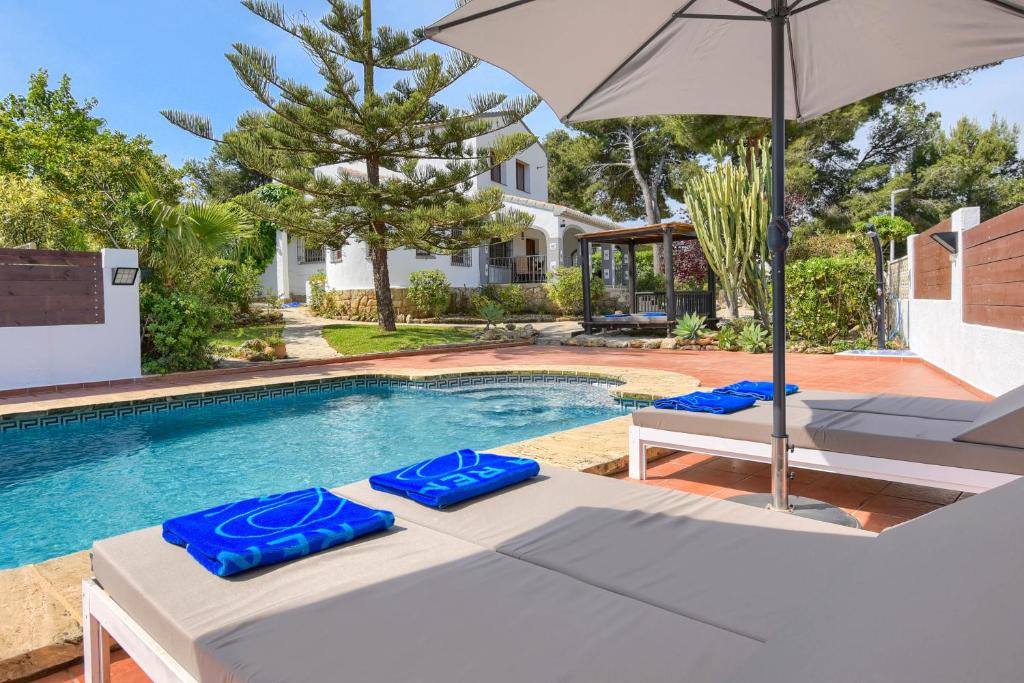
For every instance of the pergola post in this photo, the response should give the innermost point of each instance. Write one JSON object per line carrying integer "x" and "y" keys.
{"x": 586, "y": 265}
{"x": 632, "y": 277}
{"x": 670, "y": 295}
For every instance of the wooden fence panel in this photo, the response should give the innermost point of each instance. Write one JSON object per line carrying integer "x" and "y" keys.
{"x": 933, "y": 272}
{"x": 39, "y": 287}
{"x": 993, "y": 261}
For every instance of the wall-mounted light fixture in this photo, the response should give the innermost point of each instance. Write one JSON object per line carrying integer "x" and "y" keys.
{"x": 946, "y": 240}
{"x": 124, "y": 276}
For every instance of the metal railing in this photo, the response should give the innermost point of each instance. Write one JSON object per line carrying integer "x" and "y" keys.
{"x": 699, "y": 302}
{"x": 310, "y": 254}
{"x": 462, "y": 258}
{"x": 505, "y": 270}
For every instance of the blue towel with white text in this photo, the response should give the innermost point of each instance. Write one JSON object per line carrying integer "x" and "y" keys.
{"x": 233, "y": 538}
{"x": 762, "y": 391}
{"x": 449, "y": 479}
{"x": 705, "y": 402}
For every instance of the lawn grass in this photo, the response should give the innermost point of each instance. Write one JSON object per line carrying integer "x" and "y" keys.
{"x": 352, "y": 340}
{"x": 233, "y": 337}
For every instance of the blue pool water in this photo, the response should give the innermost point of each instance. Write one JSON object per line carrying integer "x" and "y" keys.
{"x": 62, "y": 487}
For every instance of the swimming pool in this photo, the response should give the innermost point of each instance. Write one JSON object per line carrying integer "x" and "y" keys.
{"x": 63, "y": 486}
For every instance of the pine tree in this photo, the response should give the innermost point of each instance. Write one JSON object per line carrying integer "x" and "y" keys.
{"x": 419, "y": 156}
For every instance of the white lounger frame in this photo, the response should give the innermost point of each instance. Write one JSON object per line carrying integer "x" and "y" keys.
{"x": 103, "y": 620}
{"x": 904, "y": 471}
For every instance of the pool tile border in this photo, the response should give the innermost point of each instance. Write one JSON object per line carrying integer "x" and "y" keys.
{"x": 146, "y": 406}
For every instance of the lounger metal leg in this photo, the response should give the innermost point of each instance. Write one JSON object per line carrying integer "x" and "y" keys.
{"x": 96, "y": 645}
{"x": 637, "y": 455}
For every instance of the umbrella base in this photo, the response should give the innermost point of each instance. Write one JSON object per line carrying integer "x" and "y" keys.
{"x": 802, "y": 507}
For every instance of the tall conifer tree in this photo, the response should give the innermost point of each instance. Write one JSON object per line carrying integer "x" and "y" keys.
{"x": 417, "y": 157}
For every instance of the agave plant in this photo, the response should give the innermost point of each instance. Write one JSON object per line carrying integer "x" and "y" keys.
{"x": 753, "y": 338}
{"x": 690, "y": 326}
{"x": 491, "y": 312}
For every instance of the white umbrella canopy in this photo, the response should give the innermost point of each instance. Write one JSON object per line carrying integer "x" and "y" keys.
{"x": 596, "y": 59}
{"x": 795, "y": 59}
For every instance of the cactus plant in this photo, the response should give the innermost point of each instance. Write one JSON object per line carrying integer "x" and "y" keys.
{"x": 730, "y": 209}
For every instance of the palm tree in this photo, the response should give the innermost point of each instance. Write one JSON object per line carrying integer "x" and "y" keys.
{"x": 177, "y": 234}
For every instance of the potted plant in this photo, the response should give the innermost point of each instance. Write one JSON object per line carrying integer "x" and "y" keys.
{"x": 278, "y": 345}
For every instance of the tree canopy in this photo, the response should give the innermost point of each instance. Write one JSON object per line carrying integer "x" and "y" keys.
{"x": 69, "y": 181}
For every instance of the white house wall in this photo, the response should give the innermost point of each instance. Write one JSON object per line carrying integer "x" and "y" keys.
{"x": 64, "y": 354}
{"x": 355, "y": 271}
{"x": 297, "y": 273}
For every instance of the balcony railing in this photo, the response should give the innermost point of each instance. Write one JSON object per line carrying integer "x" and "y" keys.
{"x": 699, "y": 302}
{"x": 505, "y": 270}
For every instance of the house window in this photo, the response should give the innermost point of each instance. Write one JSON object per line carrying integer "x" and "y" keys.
{"x": 308, "y": 254}
{"x": 499, "y": 249}
{"x": 522, "y": 177}
{"x": 496, "y": 170}
{"x": 423, "y": 253}
{"x": 337, "y": 255}
{"x": 462, "y": 258}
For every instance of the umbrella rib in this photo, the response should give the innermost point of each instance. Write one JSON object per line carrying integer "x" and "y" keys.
{"x": 630, "y": 58}
{"x": 797, "y": 10}
{"x": 1016, "y": 9}
{"x": 750, "y": 7}
{"x": 434, "y": 30}
{"x": 792, "y": 67}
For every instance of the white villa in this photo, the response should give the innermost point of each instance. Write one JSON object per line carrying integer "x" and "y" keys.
{"x": 527, "y": 258}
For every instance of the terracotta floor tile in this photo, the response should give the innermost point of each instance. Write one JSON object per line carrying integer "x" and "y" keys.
{"x": 924, "y": 493}
{"x": 876, "y": 522}
{"x": 900, "y": 507}
{"x": 706, "y": 475}
{"x": 739, "y": 466}
{"x": 685, "y": 486}
{"x": 834, "y": 492}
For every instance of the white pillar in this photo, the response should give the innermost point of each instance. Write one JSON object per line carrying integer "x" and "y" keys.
{"x": 281, "y": 262}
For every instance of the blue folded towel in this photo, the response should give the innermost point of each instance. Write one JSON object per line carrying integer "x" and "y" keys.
{"x": 705, "y": 402}
{"x": 261, "y": 531}
{"x": 455, "y": 477}
{"x": 762, "y": 391}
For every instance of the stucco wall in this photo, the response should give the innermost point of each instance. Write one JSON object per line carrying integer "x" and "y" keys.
{"x": 65, "y": 354}
{"x": 989, "y": 358}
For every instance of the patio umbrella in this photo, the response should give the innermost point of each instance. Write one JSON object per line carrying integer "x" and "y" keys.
{"x": 784, "y": 59}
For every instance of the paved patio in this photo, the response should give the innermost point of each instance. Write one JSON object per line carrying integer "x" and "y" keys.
{"x": 877, "y": 504}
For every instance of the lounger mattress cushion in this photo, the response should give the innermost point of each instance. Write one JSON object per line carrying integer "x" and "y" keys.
{"x": 1001, "y": 423}
{"x": 889, "y": 404}
{"x": 409, "y": 605}
{"x": 699, "y": 557}
{"x": 894, "y": 437}
{"x": 935, "y": 600}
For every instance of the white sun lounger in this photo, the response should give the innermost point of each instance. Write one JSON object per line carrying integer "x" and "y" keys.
{"x": 579, "y": 578}
{"x": 962, "y": 445}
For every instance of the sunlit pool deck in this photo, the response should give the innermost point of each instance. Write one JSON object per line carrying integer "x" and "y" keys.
{"x": 40, "y": 608}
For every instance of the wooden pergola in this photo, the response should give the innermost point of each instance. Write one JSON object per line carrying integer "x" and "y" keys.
{"x": 676, "y": 303}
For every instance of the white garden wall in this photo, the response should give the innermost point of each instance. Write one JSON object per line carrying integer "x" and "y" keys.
{"x": 989, "y": 358}
{"x": 69, "y": 354}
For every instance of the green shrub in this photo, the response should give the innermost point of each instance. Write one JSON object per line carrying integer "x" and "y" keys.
{"x": 512, "y": 298}
{"x": 317, "y": 293}
{"x": 565, "y": 289}
{"x": 690, "y": 326}
{"x": 753, "y": 338}
{"x": 429, "y": 292}
{"x": 728, "y": 339}
{"x": 806, "y": 245}
{"x": 176, "y": 330}
{"x": 828, "y": 298}
{"x": 647, "y": 278}
{"x": 236, "y": 285}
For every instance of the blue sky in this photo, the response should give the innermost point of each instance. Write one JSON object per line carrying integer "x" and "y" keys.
{"x": 140, "y": 56}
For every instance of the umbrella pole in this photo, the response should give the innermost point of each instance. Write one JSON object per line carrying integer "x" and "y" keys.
{"x": 778, "y": 242}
